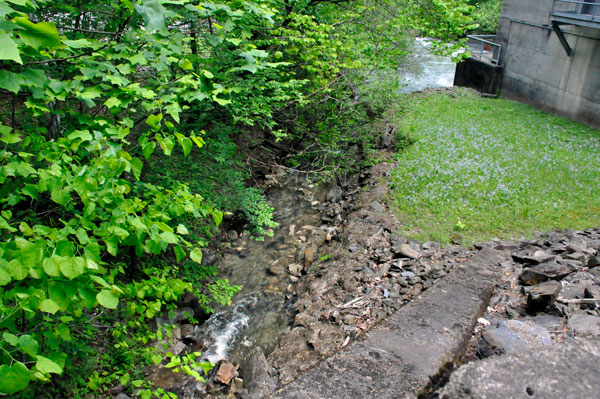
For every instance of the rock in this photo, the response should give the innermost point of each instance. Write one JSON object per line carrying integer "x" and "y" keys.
{"x": 177, "y": 348}
{"x": 117, "y": 389}
{"x": 255, "y": 370}
{"x": 377, "y": 207}
{"x": 544, "y": 272}
{"x": 295, "y": 269}
{"x": 573, "y": 291}
{"x": 584, "y": 325}
{"x": 335, "y": 193}
{"x": 539, "y": 257}
{"x": 594, "y": 261}
{"x": 499, "y": 340}
{"x": 353, "y": 248}
{"x": 560, "y": 371}
{"x": 406, "y": 251}
{"x": 232, "y": 235}
{"x": 540, "y": 296}
{"x": 226, "y": 373}
{"x": 531, "y": 333}
{"x": 187, "y": 330}
{"x": 276, "y": 269}
{"x": 576, "y": 256}
{"x": 238, "y": 385}
{"x": 592, "y": 291}
{"x": 309, "y": 256}
{"x": 209, "y": 257}
{"x": 595, "y": 272}
{"x": 122, "y": 396}
{"x": 550, "y": 323}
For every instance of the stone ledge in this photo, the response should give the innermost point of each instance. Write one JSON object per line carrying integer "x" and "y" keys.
{"x": 397, "y": 358}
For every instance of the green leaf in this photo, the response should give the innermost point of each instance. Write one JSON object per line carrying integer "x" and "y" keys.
{"x": 72, "y": 267}
{"x": 35, "y": 77}
{"x": 8, "y": 49}
{"x": 136, "y": 167}
{"x": 28, "y": 345}
{"x": 108, "y": 299}
{"x": 47, "y": 366}
{"x": 217, "y": 216}
{"x": 48, "y": 305}
{"x": 11, "y": 338}
{"x": 113, "y": 102}
{"x": 51, "y": 265}
{"x": 154, "y": 121}
{"x": 185, "y": 64}
{"x": 181, "y": 229}
{"x": 112, "y": 245}
{"x": 169, "y": 237}
{"x": 10, "y": 138}
{"x": 16, "y": 270}
{"x": 174, "y": 109}
{"x": 186, "y": 144}
{"x": 13, "y": 378}
{"x": 4, "y": 277}
{"x": 63, "y": 332}
{"x": 42, "y": 34}
{"x": 148, "y": 149}
{"x": 234, "y": 41}
{"x": 196, "y": 255}
{"x": 100, "y": 281}
{"x": 10, "y": 81}
{"x": 198, "y": 140}
{"x": 154, "y": 15}
{"x": 60, "y": 196}
{"x": 179, "y": 253}
{"x": 84, "y": 135}
{"x": 221, "y": 101}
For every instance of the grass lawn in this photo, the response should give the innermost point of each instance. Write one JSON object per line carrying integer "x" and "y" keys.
{"x": 481, "y": 168}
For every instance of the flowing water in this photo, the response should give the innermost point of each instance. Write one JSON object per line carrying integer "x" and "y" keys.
{"x": 424, "y": 70}
{"x": 259, "y": 312}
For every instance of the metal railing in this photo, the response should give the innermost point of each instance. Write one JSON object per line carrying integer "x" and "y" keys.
{"x": 484, "y": 48}
{"x": 585, "y": 9}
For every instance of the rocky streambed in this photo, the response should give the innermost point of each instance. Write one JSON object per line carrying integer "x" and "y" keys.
{"x": 334, "y": 268}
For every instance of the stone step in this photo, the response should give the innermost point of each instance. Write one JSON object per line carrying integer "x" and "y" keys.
{"x": 397, "y": 358}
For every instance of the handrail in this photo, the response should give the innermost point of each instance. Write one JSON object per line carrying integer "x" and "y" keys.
{"x": 578, "y": 7}
{"x": 483, "y": 49}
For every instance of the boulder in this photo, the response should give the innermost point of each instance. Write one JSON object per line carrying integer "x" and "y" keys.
{"x": 406, "y": 251}
{"x": 544, "y": 272}
{"x": 542, "y": 295}
{"x": 568, "y": 370}
{"x": 584, "y": 325}
{"x": 226, "y": 373}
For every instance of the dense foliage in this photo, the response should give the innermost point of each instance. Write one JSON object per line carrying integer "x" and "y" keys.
{"x": 92, "y": 241}
{"x": 486, "y": 15}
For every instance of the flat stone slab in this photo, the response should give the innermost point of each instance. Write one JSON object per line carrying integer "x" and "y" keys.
{"x": 561, "y": 371}
{"x": 397, "y": 358}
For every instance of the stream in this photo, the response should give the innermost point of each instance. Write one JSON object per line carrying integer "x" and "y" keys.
{"x": 261, "y": 310}
{"x": 424, "y": 70}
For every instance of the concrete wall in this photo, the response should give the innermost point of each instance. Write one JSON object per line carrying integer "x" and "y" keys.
{"x": 537, "y": 69}
{"x": 478, "y": 75}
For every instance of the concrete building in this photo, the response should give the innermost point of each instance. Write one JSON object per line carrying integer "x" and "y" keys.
{"x": 549, "y": 56}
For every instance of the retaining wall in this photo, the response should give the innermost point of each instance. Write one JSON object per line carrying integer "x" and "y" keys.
{"x": 537, "y": 69}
